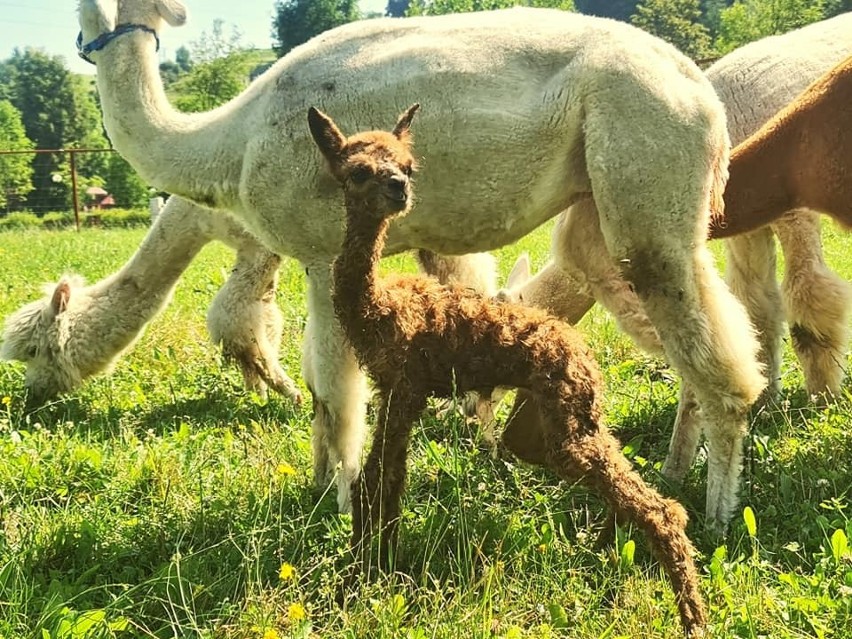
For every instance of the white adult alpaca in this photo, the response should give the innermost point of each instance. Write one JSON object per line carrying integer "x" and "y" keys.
{"x": 78, "y": 331}
{"x": 754, "y": 82}
{"x": 766, "y": 75}
{"x": 526, "y": 111}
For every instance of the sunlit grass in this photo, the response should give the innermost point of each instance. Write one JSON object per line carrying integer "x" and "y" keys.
{"x": 163, "y": 500}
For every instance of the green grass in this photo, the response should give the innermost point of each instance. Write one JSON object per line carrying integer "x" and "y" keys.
{"x": 162, "y": 501}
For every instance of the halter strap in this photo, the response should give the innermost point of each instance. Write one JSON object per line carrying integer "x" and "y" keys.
{"x": 105, "y": 38}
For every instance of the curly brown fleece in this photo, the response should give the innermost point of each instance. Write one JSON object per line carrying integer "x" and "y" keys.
{"x": 418, "y": 338}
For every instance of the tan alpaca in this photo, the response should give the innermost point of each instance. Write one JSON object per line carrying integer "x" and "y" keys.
{"x": 418, "y": 338}
{"x": 801, "y": 158}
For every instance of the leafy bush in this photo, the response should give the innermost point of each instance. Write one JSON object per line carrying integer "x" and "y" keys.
{"x": 19, "y": 220}
{"x": 119, "y": 218}
{"x": 57, "y": 220}
{"x": 108, "y": 219}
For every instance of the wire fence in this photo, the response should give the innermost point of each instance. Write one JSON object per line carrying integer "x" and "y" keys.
{"x": 42, "y": 181}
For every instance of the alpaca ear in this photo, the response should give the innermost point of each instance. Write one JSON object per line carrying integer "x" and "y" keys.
{"x": 60, "y": 297}
{"x": 328, "y": 137}
{"x": 403, "y": 125}
{"x": 104, "y": 13}
{"x": 172, "y": 11}
{"x": 520, "y": 273}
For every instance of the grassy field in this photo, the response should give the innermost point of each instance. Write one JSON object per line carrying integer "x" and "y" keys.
{"x": 164, "y": 501}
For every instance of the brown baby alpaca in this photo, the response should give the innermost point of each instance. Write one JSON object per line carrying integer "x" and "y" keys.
{"x": 801, "y": 158}
{"x": 417, "y": 338}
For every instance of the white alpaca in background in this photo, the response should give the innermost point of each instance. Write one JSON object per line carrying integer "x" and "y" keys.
{"x": 78, "y": 331}
{"x": 529, "y": 111}
{"x": 754, "y": 82}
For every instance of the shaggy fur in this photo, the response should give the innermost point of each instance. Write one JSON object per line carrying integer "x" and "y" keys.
{"x": 754, "y": 83}
{"x": 802, "y": 159}
{"x": 418, "y": 339}
{"x": 530, "y": 110}
{"x": 79, "y": 331}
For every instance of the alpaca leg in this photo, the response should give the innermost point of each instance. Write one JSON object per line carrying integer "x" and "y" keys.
{"x": 580, "y": 250}
{"x": 751, "y": 276}
{"x": 338, "y": 387}
{"x": 377, "y": 495}
{"x": 476, "y": 270}
{"x": 817, "y": 303}
{"x": 685, "y": 436}
{"x": 595, "y": 455}
{"x": 245, "y": 319}
{"x": 554, "y": 290}
{"x": 580, "y": 253}
{"x": 709, "y": 340}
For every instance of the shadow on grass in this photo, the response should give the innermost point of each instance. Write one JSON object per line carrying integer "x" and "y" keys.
{"x": 214, "y": 408}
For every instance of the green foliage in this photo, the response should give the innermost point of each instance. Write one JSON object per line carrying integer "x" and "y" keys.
{"x": 836, "y": 7}
{"x": 220, "y": 72}
{"x": 297, "y": 21}
{"x": 397, "y": 8}
{"x": 440, "y": 7}
{"x": 165, "y": 497}
{"x": 106, "y": 218}
{"x": 748, "y": 20}
{"x": 210, "y": 84}
{"x": 58, "y": 111}
{"x": 19, "y": 220}
{"x": 171, "y": 71}
{"x": 15, "y": 170}
{"x": 676, "y": 21}
{"x": 124, "y": 184}
{"x": 618, "y": 9}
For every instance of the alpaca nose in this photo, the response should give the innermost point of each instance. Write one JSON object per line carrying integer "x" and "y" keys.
{"x": 397, "y": 184}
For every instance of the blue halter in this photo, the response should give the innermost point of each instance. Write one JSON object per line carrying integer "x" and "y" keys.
{"x": 105, "y": 38}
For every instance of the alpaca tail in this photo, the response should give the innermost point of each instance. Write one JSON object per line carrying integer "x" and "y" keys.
{"x": 718, "y": 221}
{"x": 598, "y": 458}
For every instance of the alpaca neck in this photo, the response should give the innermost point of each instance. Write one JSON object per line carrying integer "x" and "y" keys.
{"x": 197, "y": 156}
{"x": 357, "y": 290}
{"x": 148, "y": 278}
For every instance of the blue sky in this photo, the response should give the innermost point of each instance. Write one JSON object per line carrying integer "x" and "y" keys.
{"x": 52, "y": 25}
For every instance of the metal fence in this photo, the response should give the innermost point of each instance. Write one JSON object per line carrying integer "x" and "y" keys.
{"x": 51, "y": 184}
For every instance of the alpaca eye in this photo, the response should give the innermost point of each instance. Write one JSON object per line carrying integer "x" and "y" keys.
{"x": 360, "y": 175}
{"x": 408, "y": 170}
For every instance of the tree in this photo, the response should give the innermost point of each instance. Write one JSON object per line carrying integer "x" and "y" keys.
{"x": 297, "y": 21}
{"x": 618, "y": 9}
{"x": 219, "y": 73}
{"x": 124, "y": 184}
{"x": 172, "y": 70}
{"x": 749, "y": 20}
{"x": 676, "y": 21}
{"x": 440, "y": 7}
{"x": 15, "y": 170}
{"x": 58, "y": 111}
{"x": 397, "y": 8}
{"x": 836, "y": 7}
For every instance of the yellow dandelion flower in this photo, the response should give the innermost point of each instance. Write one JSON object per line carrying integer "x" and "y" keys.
{"x": 6, "y": 400}
{"x": 270, "y": 633}
{"x": 514, "y": 632}
{"x": 285, "y": 469}
{"x": 296, "y": 612}
{"x": 286, "y": 571}
{"x": 542, "y": 547}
